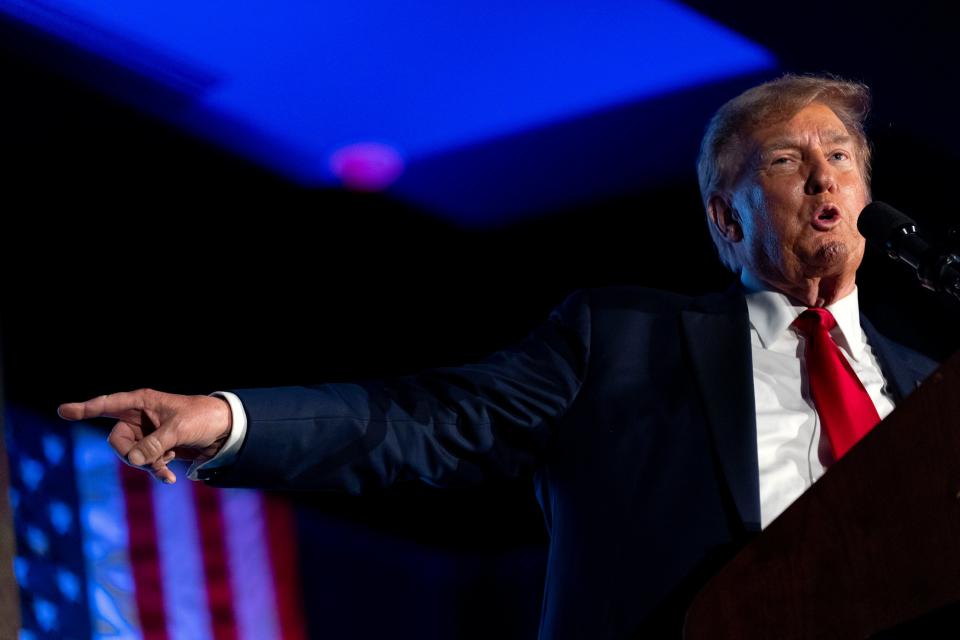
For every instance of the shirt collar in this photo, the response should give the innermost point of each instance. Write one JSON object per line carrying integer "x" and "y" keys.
{"x": 772, "y": 312}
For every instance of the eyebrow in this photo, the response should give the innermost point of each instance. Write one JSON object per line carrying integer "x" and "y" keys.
{"x": 832, "y": 136}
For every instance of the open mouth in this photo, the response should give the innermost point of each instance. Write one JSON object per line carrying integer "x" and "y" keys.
{"x": 826, "y": 217}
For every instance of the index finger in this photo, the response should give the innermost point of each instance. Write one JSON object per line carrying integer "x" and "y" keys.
{"x": 108, "y": 406}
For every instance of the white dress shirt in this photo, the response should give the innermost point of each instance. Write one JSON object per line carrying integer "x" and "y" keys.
{"x": 792, "y": 450}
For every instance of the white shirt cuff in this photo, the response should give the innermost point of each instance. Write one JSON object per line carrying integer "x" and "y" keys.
{"x": 238, "y": 431}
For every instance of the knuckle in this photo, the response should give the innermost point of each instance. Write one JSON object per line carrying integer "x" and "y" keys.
{"x": 151, "y": 448}
{"x": 115, "y": 439}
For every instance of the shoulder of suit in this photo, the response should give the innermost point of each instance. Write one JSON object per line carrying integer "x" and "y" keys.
{"x": 645, "y": 300}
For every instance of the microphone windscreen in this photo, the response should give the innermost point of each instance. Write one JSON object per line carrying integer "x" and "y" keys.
{"x": 878, "y": 221}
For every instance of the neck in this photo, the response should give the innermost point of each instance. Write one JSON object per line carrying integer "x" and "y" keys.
{"x": 811, "y": 292}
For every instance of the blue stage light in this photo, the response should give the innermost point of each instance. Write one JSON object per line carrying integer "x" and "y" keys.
{"x": 296, "y": 84}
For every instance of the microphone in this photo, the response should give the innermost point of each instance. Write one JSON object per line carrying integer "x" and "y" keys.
{"x": 896, "y": 235}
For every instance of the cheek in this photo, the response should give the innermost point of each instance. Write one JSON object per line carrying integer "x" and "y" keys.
{"x": 785, "y": 200}
{"x": 856, "y": 194}
{"x": 753, "y": 209}
{"x": 858, "y": 200}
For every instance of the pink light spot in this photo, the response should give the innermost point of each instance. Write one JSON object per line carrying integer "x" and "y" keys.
{"x": 366, "y": 166}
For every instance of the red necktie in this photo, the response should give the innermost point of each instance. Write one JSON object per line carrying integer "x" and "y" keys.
{"x": 845, "y": 408}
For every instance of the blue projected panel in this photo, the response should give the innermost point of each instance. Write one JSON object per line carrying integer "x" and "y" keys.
{"x": 333, "y": 92}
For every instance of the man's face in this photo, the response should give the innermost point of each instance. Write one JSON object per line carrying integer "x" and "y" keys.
{"x": 798, "y": 201}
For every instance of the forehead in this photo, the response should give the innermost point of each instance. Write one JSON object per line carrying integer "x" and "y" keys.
{"x": 814, "y": 122}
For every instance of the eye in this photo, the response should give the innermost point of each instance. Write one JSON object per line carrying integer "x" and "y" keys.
{"x": 840, "y": 155}
{"x": 783, "y": 164}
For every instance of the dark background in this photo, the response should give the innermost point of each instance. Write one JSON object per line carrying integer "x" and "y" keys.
{"x": 134, "y": 255}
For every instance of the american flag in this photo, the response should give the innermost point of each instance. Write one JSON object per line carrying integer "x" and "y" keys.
{"x": 106, "y": 551}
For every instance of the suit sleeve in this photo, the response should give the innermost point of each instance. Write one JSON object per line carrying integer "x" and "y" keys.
{"x": 448, "y": 426}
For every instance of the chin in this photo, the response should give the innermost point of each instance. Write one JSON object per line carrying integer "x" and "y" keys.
{"x": 833, "y": 252}
{"x": 829, "y": 258}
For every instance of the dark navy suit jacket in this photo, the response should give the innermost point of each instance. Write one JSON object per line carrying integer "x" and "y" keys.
{"x": 634, "y": 406}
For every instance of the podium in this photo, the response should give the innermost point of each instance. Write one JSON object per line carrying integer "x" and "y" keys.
{"x": 870, "y": 550}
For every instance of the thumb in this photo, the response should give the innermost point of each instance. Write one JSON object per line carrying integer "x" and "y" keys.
{"x": 153, "y": 446}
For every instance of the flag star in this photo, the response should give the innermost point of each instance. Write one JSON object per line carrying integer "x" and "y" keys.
{"x": 32, "y": 472}
{"x": 26, "y": 634}
{"x": 69, "y": 585}
{"x": 60, "y": 517}
{"x": 37, "y": 541}
{"x": 53, "y": 449}
{"x": 45, "y": 613}
{"x": 21, "y": 569}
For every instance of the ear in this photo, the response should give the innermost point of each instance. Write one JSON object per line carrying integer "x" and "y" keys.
{"x": 724, "y": 218}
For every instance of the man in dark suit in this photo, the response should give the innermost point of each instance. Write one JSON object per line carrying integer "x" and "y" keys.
{"x": 664, "y": 429}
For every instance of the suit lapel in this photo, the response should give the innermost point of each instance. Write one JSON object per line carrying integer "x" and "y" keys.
{"x": 718, "y": 337}
{"x": 717, "y": 332}
{"x": 903, "y": 369}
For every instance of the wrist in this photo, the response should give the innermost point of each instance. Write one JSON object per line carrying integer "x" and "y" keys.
{"x": 224, "y": 418}
{"x": 219, "y": 417}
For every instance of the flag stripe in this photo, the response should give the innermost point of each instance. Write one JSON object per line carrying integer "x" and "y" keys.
{"x": 216, "y": 569}
{"x": 142, "y": 536}
{"x": 281, "y": 533}
{"x": 252, "y": 578}
{"x": 181, "y": 560}
{"x": 110, "y": 587}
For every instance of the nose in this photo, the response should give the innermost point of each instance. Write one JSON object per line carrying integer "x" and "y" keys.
{"x": 821, "y": 177}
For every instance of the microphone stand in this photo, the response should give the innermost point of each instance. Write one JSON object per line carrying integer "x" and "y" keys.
{"x": 945, "y": 269}
{"x": 937, "y": 265}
